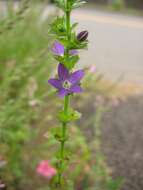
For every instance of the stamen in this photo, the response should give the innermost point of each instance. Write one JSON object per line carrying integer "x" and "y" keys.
{"x": 66, "y": 84}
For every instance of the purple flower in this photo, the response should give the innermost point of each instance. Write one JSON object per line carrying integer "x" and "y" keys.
{"x": 59, "y": 50}
{"x": 67, "y": 83}
{"x": 73, "y": 52}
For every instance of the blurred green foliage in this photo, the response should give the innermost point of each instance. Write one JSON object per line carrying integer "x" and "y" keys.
{"x": 27, "y": 109}
{"x": 136, "y": 4}
{"x": 117, "y": 4}
{"x": 25, "y": 64}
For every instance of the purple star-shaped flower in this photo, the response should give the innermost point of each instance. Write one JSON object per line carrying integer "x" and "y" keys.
{"x": 59, "y": 50}
{"x": 67, "y": 83}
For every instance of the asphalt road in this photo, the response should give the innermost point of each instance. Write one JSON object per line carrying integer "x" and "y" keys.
{"x": 116, "y": 44}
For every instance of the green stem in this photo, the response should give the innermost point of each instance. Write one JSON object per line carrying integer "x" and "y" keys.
{"x": 68, "y": 24}
{"x": 63, "y": 137}
{"x": 66, "y": 104}
{"x": 64, "y": 125}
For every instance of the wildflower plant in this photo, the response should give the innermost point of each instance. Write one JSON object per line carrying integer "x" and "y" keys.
{"x": 68, "y": 81}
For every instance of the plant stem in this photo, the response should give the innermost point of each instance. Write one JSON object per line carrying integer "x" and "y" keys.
{"x": 66, "y": 103}
{"x": 63, "y": 136}
{"x": 68, "y": 24}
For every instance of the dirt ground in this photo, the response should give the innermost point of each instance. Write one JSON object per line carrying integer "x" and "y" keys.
{"x": 122, "y": 137}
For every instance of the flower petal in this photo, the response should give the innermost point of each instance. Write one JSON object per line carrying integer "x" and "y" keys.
{"x": 76, "y": 89}
{"x": 63, "y": 92}
{"x": 73, "y": 52}
{"x": 76, "y": 76}
{"x": 58, "y": 49}
{"x": 45, "y": 169}
{"x": 62, "y": 72}
{"x": 55, "y": 83}
{"x": 92, "y": 69}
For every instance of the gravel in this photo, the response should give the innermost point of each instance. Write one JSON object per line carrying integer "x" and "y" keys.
{"x": 122, "y": 137}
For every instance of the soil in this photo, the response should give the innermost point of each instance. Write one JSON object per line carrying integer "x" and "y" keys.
{"x": 122, "y": 137}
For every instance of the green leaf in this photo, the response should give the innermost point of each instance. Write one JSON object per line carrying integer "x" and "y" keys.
{"x": 58, "y": 27}
{"x": 114, "y": 184}
{"x": 72, "y": 4}
{"x": 59, "y": 137}
{"x": 78, "y": 4}
{"x": 61, "y": 4}
{"x": 74, "y": 26}
{"x": 75, "y": 115}
{"x": 70, "y": 116}
{"x": 60, "y": 59}
{"x": 71, "y": 61}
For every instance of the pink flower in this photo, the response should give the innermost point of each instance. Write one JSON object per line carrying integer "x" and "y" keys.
{"x": 92, "y": 69}
{"x": 45, "y": 169}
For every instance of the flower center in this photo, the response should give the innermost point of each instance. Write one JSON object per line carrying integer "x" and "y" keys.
{"x": 66, "y": 84}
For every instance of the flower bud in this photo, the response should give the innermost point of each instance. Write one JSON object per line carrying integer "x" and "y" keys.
{"x": 82, "y": 36}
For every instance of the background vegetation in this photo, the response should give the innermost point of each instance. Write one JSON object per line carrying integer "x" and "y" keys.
{"x": 129, "y": 3}
{"x": 28, "y": 106}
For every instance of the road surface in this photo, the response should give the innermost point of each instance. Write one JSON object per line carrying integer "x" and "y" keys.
{"x": 116, "y": 44}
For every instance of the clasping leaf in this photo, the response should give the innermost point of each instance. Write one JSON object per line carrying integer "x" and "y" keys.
{"x": 70, "y": 116}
